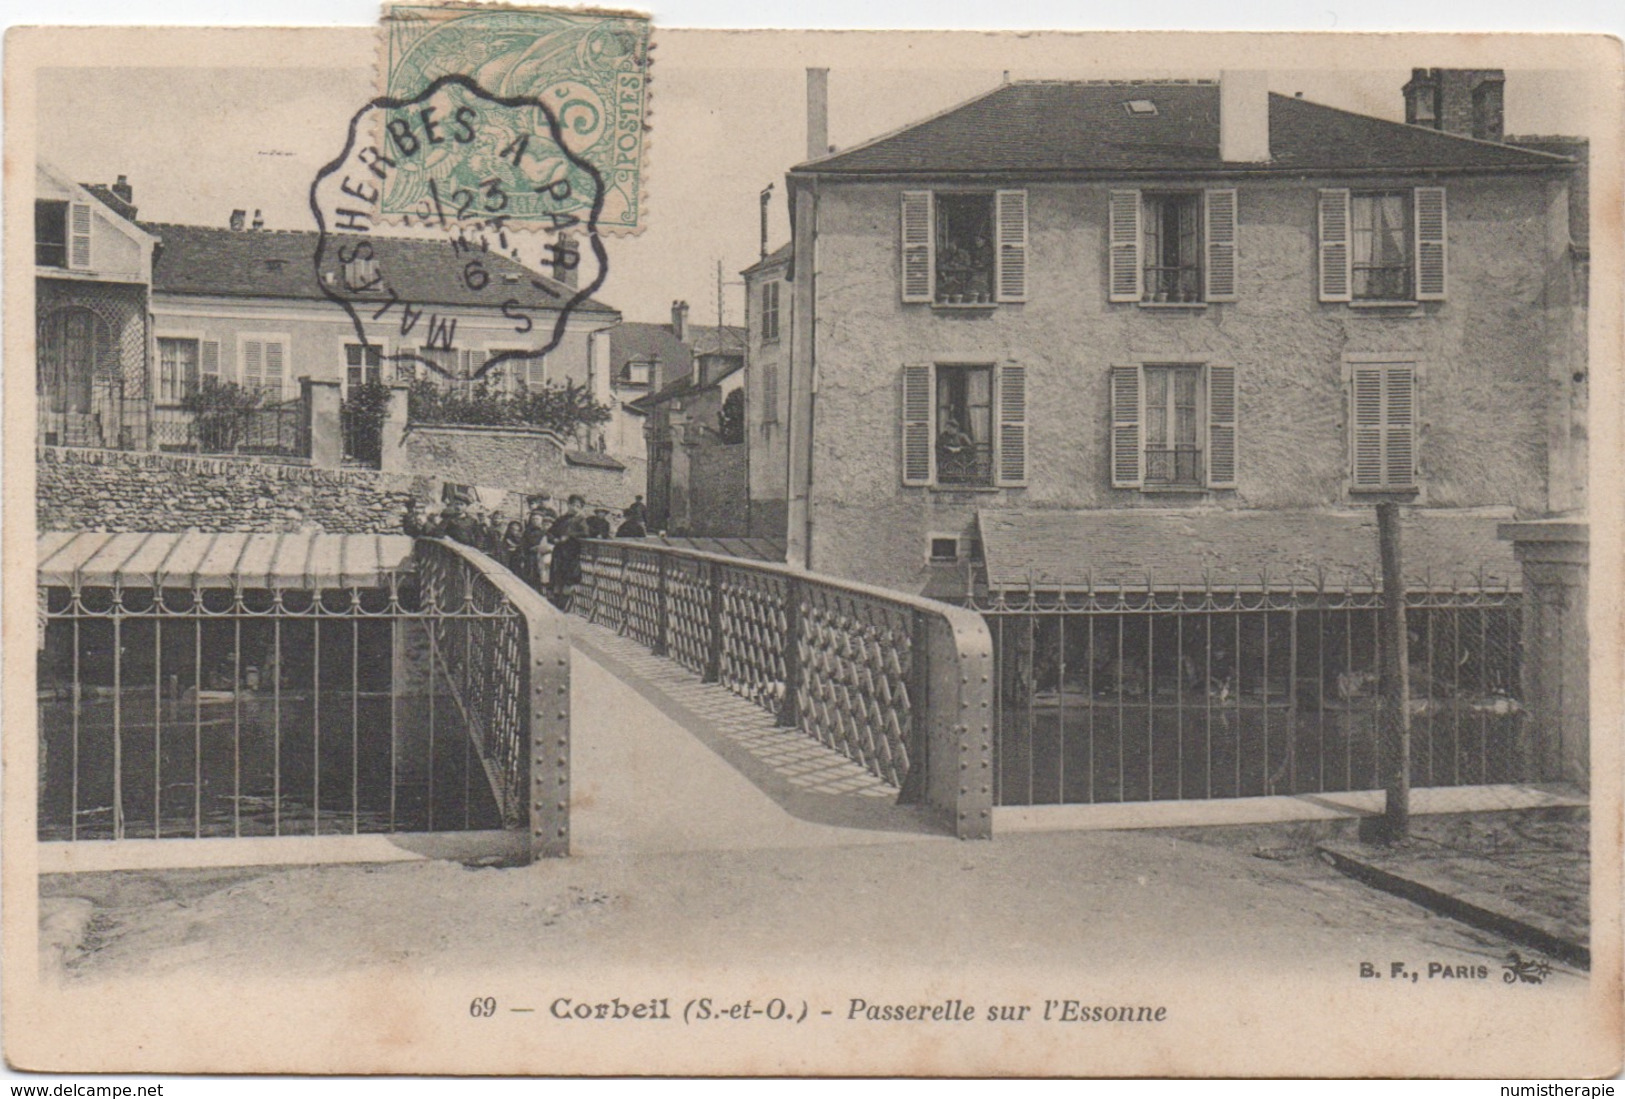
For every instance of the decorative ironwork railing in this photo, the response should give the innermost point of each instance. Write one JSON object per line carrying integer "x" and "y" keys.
{"x": 1145, "y": 693}
{"x": 431, "y": 698}
{"x": 898, "y": 684}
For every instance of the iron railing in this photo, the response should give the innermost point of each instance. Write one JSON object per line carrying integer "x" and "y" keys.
{"x": 1138, "y": 694}
{"x": 281, "y": 428}
{"x": 901, "y": 685}
{"x": 435, "y": 698}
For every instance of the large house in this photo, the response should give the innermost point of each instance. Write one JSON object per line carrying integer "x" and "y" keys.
{"x": 1176, "y": 298}
{"x": 1124, "y": 365}
{"x": 134, "y": 315}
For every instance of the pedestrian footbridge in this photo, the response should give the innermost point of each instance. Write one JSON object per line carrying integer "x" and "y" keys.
{"x": 234, "y": 698}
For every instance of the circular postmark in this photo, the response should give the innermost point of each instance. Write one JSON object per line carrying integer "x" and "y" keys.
{"x": 463, "y": 162}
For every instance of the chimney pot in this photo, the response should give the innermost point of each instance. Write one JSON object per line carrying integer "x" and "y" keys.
{"x": 817, "y": 113}
{"x": 679, "y": 320}
{"x": 1244, "y": 117}
{"x": 238, "y": 219}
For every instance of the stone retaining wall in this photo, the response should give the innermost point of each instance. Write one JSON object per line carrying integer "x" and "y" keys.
{"x": 115, "y": 490}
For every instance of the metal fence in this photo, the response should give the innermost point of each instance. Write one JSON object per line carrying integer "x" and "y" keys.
{"x": 1222, "y": 692}
{"x": 414, "y": 701}
{"x": 281, "y": 428}
{"x": 898, "y": 684}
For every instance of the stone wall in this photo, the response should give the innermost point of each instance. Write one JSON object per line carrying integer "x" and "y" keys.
{"x": 131, "y": 491}
{"x": 718, "y": 500}
{"x": 522, "y": 460}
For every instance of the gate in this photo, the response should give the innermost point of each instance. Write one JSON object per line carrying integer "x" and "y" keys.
{"x": 1141, "y": 695}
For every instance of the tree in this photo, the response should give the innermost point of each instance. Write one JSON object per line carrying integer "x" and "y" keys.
{"x": 731, "y": 419}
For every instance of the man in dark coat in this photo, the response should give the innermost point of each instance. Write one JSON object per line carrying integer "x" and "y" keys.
{"x": 566, "y": 535}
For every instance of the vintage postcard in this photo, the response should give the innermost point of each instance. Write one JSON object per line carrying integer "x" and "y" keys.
{"x": 545, "y": 543}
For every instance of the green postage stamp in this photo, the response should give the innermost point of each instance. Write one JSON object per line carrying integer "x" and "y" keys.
{"x": 588, "y": 70}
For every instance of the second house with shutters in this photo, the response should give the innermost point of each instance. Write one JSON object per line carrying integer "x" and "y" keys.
{"x": 1171, "y": 296}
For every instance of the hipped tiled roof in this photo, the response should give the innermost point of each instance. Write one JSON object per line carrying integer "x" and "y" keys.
{"x": 1075, "y": 127}
{"x": 278, "y": 263}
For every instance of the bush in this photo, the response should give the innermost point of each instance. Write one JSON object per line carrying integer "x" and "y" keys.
{"x": 562, "y": 409}
{"x": 220, "y": 412}
{"x": 363, "y": 414}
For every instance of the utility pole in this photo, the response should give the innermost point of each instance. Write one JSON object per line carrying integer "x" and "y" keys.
{"x": 1395, "y": 680}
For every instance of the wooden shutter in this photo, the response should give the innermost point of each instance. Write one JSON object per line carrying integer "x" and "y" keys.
{"x": 1010, "y": 210}
{"x": 1399, "y": 422}
{"x": 1126, "y": 420}
{"x": 209, "y": 358}
{"x": 919, "y": 246}
{"x": 1125, "y": 274}
{"x": 79, "y": 222}
{"x": 1336, "y": 272}
{"x": 535, "y": 371}
{"x": 253, "y": 363}
{"x": 274, "y": 352}
{"x": 1430, "y": 243}
{"x": 1221, "y": 426}
{"x": 919, "y": 429}
{"x": 1220, "y": 222}
{"x": 1012, "y": 425}
{"x": 1384, "y": 425}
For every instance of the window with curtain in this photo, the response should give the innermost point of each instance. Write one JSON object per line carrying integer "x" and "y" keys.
{"x": 1380, "y": 227}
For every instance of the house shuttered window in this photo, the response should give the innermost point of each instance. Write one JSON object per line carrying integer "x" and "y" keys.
{"x": 79, "y": 230}
{"x": 1172, "y": 247}
{"x": 1382, "y": 440}
{"x": 1378, "y": 246}
{"x": 964, "y": 425}
{"x": 1173, "y": 426}
{"x": 964, "y": 247}
{"x": 264, "y": 364}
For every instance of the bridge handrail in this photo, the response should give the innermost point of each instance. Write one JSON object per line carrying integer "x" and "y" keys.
{"x": 899, "y": 683}
{"x": 511, "y": 681}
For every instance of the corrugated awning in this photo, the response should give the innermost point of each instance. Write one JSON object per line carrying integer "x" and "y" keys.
{"x": 1164, "y": 550}
{"x": 304, "y": 560}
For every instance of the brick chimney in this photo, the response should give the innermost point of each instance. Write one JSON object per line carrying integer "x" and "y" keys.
{"x": 1466, "y": 102}
{"x": 124, "y": 191}
{"x": 1244, "y": 116}
{"x": 239, "y": 218}
{"x": 679, "y": 320}
{"x": 259, "y": 221}
{"x": 817, "y": 113}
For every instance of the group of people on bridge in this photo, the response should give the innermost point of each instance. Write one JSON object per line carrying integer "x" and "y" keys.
{"x": 543, "y": 549}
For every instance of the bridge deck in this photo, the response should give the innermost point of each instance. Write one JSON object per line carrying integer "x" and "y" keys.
{"x": 663, "y": 763}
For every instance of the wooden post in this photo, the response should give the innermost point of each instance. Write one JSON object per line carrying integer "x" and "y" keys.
{"x": 1395, "y": 674}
